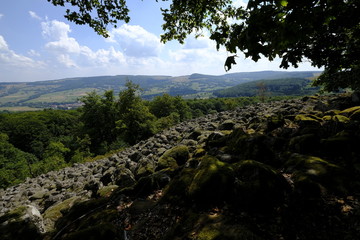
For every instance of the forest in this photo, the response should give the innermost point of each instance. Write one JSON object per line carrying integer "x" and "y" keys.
{"x": 36, "y": 142}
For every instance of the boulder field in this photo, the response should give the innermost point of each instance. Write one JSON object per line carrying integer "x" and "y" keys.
{"x": 281, "y": 170}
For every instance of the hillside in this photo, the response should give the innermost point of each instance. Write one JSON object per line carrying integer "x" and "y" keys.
{"x": 282, "y": 170}
{"x": 270, "y": 87}
{"x": 65, "y": 92}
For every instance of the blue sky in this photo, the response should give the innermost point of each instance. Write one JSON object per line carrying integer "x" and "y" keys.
{"x": 38, "y": 43}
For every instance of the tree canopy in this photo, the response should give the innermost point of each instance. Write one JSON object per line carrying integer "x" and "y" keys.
{"x": 324, "y": 32}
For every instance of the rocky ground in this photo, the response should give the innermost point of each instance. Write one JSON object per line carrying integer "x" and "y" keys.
{"x": 281, "y": 170}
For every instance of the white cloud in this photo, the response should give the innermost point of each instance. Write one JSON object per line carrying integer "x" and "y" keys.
{"x": 55, "y": 30}
{"x": 33, "y": 53}
{"x": 3, "y": 44}
{"x": 1, "y": 15}
{"x": 66, "y": 60}
{"x": 65, "y": 44}
{"x": 196, "y": 43}
{"x": 34, "y": 15}
{"x": 136, "y": 41}
{"x": 69, "y": 53}
{"x": 9, "y": 58}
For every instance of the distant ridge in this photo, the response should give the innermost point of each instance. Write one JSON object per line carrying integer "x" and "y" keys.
{"x": 67, "y": 91}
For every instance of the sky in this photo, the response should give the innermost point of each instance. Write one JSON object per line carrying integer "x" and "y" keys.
{"x": 38, "y": 43}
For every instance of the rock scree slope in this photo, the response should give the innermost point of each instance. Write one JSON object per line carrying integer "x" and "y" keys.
{"x": 280, "y": 170}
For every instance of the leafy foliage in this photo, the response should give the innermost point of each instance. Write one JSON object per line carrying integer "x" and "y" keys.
{"x": 14, "y": 163}
{"x": 135, "y": 120}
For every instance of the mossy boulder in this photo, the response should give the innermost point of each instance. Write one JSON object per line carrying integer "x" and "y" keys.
{"x": 355, "y": 115}
{"x": 89, "y": 220}
{"x": 167, "y": 162}
{"x": 177, "y": 190}
{"x": 227, "y": 125}
{"x": 259, "y": 147}
{"x": 124, "y": 177}
{"x": 174, "y": 157}
{"x": 336, "y": 118}
{"x": 332, "y": 112}
{"x": 148, "y": 184}
{"x": 21, "y": 223}
{"x": 145, "y": 168}
{"x": 258, "y": 187}
{"x": 216, "y": 139}
{"x": 199, "y": 152}
{"x": 107, "y": 190}
{"x": 55, "y": 212}
{"x": 308, "y": 120}
{"x": 343, "y": 146}
{"x": 195, "y": 134}
{"x": 349, "y": 111}
{"x": 307, "y": 143}
{"x": 212, "y": 183}
{"x": 309, "y": 171}
{"x": 309, "y": 124}
{"x": 274, "y": 121}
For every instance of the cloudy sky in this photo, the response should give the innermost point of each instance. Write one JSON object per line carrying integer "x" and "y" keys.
{"x": 38, "y": 43}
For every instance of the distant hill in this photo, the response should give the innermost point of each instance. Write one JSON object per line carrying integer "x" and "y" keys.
{"x": 271, "y": 87}
{"x": 66, "y": 92}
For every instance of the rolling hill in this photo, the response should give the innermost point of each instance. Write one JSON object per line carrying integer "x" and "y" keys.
{"x": 66, "y": 92}
{"x": 271, "y": 87}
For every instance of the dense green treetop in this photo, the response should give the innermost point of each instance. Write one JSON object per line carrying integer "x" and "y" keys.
{"x": 324, "y": 32}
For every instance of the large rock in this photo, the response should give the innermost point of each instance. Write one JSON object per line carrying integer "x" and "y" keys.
{"x": 174, "y": 157}
{"x": 212, "y": 182}
{"x": 24, "y": 222}
{"x": 55, "y": 212}
{"x": 311, "y": 174}
{"x": 258, "y": 187}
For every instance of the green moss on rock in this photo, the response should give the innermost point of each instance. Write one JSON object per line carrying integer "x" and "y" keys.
{"x": 212, "y": 182}
{"x": 148, "y": 184}
{"x": 177, "y": 190}
{"x": 92, "y": 219}
{"x": 355, "y": 115}
{"x": 14, "y": 214}
{"x": 258, "y": 186}
{"x": 310, "y": 170}
{"x": 199, "y": 152}
{"x": 19, "y": 230}
{"x": 107, "y": 190}
{"x": 274, "y": 121}
{"x": 344, "y": 145}
{"x": 349, "y": 111}
{"x": 55, "y": 212}
{"x": 259, "y": 147}
{"x": 146, "y": 167}
{"x": 174, "y": 157}
{"x": 308, "y": 120}
{"x": 167, "y": 162}
{"x": 208, "y": 233}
